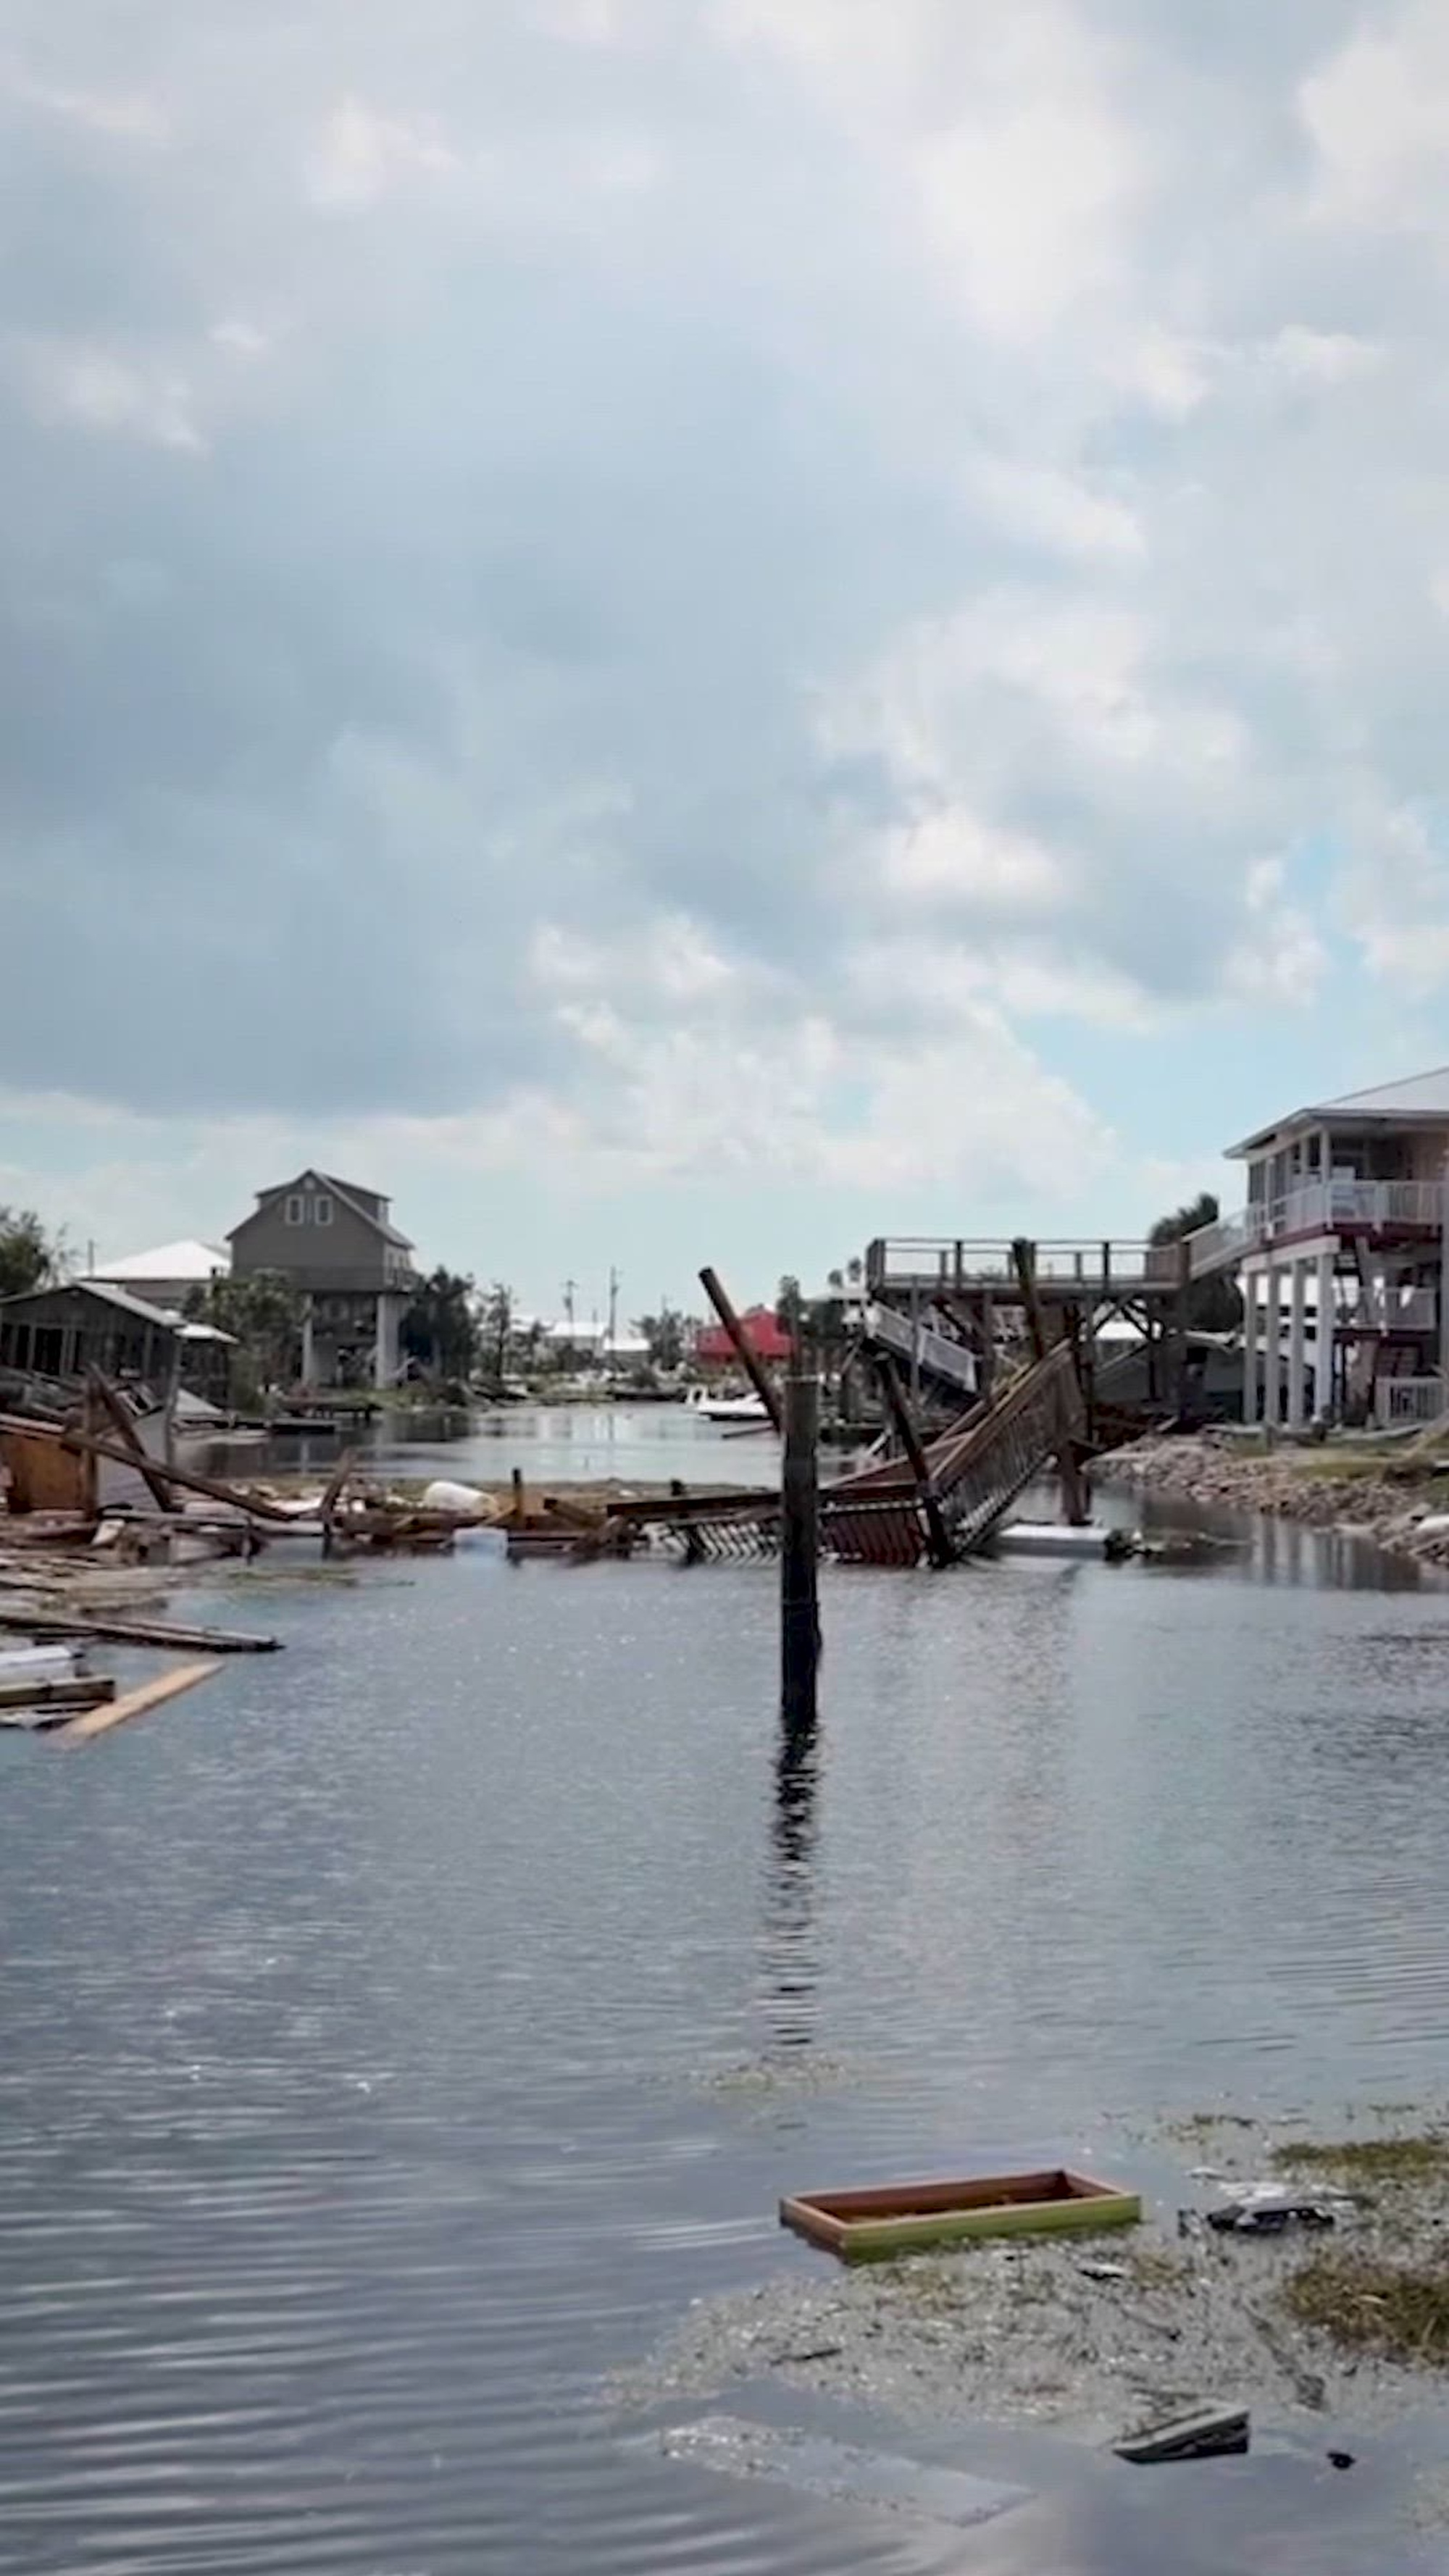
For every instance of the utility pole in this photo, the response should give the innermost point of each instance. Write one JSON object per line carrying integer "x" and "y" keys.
{"x": 613, "y": 1305}
{"x": 569, "y": 1287}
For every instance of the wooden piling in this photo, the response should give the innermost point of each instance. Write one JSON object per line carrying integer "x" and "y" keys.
{"x": 799, "y": 1552}
{"x": 939, "y": 1547}
{"x": 693, "y": 1543}
{"x": 1076, "y": 1505}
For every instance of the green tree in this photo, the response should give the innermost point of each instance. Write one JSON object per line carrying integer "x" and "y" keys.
{"x": 1213, "y": 1305}
{"x": 790, "y": 1308}
{"x": 263, "y": 1312}
{"x": 497, "y": 1327}
{"x": 28, "y": 1257}
{"x": 440, "y": 1324}
{"x": 664, "y": 1334}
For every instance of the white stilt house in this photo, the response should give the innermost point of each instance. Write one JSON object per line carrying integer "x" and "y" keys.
{"x": 1341, "y": 1253}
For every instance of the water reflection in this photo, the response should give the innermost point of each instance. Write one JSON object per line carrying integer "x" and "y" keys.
{"x": 788, "y": 1944}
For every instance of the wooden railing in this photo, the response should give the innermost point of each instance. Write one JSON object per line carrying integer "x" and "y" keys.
{"x": 936, "y": 1265}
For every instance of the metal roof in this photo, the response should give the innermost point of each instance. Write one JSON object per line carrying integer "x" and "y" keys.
{"x": 107, "y": 1295}
{"x": 1419, "y": 1098}
{"x": 188, "y": 1259}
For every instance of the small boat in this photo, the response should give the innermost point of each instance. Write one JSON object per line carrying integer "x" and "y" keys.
{"x": 725, "y": 1408}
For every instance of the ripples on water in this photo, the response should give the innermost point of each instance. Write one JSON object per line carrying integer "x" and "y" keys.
{"x": 400, "y": 2033}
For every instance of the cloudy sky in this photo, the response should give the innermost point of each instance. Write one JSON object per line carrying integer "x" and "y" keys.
{"x": 697, "y": 629}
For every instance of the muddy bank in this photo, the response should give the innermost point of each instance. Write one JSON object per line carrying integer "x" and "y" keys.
{"x": 1394, "y": 1500}
{"x": 1105, "y": 2335}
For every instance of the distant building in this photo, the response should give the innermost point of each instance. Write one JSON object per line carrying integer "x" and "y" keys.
{"x": 337, "y": 1244}
{"x": 764, "y": 1332}
{"x": 63, "y": 1331}
{"x": 1340, "y": 1251}
{"x": 167, "y": 1275}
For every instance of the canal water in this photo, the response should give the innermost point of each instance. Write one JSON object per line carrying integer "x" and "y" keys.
{"x": 400, "y": 2032}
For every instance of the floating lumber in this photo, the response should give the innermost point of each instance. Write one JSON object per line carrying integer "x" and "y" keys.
{"x": 99, "y": 1721}
{"x": 137, "y": 1632}
{"x": 45, "y": 1691}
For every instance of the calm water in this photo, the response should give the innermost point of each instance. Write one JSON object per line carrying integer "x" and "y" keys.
{"x": 567, "y": 1444}
{"x": 401, "y": 2031}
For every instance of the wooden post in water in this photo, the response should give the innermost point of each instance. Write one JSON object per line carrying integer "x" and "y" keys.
{"x": 799, "y": 1553}
{"x": 1075, "y": 1502}
{"x": 939, "y": 1541}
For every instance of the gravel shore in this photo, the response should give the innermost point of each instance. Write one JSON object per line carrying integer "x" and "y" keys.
{"x": 1095, "y": 2337}
{"x": 1394, "y": 1500}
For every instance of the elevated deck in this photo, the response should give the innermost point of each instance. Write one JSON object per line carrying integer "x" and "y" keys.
{"x": 1070, "y": 1273}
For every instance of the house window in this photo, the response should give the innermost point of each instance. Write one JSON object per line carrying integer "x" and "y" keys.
{"x": 296, "y": 1208}
{"x": 322, "y": 1208}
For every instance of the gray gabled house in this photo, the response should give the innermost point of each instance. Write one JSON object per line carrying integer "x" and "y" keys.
{"x": 339, "y": 1246}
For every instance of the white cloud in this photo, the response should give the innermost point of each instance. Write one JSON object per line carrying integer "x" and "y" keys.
{"x": 1060, "y": 512}
{"x": 951, "y": 854}
{"x": 1377, "y": 112}
{"x": 360, "y": 156}
{"x": 129, "y": 115}
{"x": 91, "y": 386}
{"x": 1324, "y": 357}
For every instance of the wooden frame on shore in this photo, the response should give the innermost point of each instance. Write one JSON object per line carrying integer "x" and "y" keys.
{"x": 903, "y": 2217}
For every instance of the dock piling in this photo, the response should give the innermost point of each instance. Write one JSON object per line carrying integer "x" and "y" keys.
{"x": 799, "y": 1552}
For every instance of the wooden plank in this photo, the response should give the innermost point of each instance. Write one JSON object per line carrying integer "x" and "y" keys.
{"x": 135, "y": 1632}
{"x": 332, "y": 1493}
{"x": 73, "y": 1692}
{"x": 940, "y": 1550}
{"x": 105, "y": 1395}
{"x": 742, "y": 1347}
{"x": 99, "y": 1721}
{"x": 43, "y": 1478}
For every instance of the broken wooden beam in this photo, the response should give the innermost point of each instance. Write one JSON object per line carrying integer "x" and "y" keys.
{"x": 137, "y": 1632}
{"x": 742, "y": 1347}
{"x": 939, "y": 1548}
{"x": 148, "y": 1695}
{"x": 190, "y": 1483}
{"x": 104, "y": 1394}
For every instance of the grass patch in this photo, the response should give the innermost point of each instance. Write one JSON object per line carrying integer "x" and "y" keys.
{"x": 1424, "y": 2158}
{"x": 1398, "y": 2310}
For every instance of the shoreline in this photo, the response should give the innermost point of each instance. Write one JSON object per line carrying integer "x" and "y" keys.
{"x": 1096, "y": 2337}
{"x": 1398, "y": 1502}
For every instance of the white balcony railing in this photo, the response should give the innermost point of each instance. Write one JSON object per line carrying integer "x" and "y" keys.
{"x": 1394, "y": 1310}
{"x": 1409, "y": 1399}
{"x": 1320, "y": 1207}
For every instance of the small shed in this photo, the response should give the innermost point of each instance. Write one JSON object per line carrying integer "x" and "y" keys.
{"x": 61, "y": 1332}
